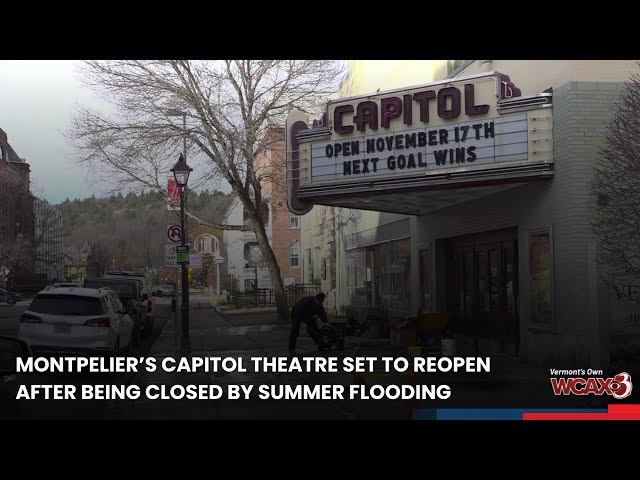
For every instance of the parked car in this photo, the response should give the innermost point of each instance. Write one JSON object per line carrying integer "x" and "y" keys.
{"x": 83, "y": 320}
{"x": 10, "y": 381}
{"x": 129, "y": 292}
{"x": 68, "y": 284}
{"x": 146, "y": 294}
{"x": 166, "y": 291}
{"x": 10, "y": 297}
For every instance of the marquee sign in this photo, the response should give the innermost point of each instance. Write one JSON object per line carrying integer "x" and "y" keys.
{"x": 409, "y": 151}
{"x": 467, "y": 124}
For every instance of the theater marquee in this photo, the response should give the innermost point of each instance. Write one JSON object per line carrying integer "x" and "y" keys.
{"x": 418, "y": 139}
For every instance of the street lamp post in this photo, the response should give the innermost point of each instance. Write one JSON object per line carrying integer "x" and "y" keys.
{"x": 181, "y": 173}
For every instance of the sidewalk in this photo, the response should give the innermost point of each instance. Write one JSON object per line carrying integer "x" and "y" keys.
{"x": 510, "y": 383}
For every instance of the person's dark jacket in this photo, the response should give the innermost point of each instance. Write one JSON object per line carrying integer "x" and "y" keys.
{"x": 306, "y": 308}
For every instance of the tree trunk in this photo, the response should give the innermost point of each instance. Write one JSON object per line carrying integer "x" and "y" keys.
{"x": 274, "y": 270}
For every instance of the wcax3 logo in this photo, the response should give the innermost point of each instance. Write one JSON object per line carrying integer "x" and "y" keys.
{"x": 619, "y": 386}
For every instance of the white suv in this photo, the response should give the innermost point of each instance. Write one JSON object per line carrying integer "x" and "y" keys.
{"x": 147, "y": 298}
{"x": 70, "y": 319}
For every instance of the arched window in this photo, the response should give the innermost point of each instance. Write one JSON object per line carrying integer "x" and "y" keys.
{"x": 206, "y": 244}
{"x": 295, "y": 254}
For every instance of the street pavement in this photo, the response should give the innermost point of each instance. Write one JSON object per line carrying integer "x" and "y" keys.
{"x": 78, "y": 409}
{"x": 510, "y": 384}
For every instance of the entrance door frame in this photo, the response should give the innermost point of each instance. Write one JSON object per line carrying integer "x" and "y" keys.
{"x": 497, "y": 240}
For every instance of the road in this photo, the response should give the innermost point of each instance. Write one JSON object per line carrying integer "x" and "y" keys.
{"x": 60, "y": 409}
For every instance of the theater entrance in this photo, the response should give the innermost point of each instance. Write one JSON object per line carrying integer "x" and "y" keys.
{"x": 483, "y": 293}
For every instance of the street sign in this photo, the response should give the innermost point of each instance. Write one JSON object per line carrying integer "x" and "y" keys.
{"x": 195, "y": 260}
{"x": 170, "y": 257}
{"x": 174, "y": 233}
{"x": 264, "y": 278}
{"x": 182, "y": 253}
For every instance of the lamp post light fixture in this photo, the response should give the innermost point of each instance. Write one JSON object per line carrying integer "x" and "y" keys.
{"x": 181, "y": 173}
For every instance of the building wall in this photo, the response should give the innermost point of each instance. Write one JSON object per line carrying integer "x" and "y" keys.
{"x": 16, "y": 212}
{"x": 325, "y": 229}
{"x": 580, "y": 110}
{"x": 49, "y": 250}
{"x": 234, "y": 243}
{"x": 535, "y": 76}
{"x": 370, "y": 75}
{"x": 583, "y": 95}
{"x": 16, "y": 209}
{"x": 284, "y": 234}
{"x": 208, "y": 264}
{"x": 270, "y": 167}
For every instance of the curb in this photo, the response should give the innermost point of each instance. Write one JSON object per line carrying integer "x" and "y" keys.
{"x": 245, "y": 310}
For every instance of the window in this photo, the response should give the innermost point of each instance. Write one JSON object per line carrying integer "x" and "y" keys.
{"x": 206, "y": 244}
{"x": 252, "y": 254}
{"x": 391, "y": 268}
{"x": 309, "y": 266}
{"x": 358, "y": 277}
{"x": 541, "y": 277}
{"x": 294, "y": 220}
{"x": 70, "y": 305}
{"x": 455, "y": 66}
{"x": 295, "y": 255}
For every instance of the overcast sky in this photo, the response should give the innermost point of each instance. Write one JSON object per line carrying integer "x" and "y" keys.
{"x": 37, "y": 98}
{"x": 36, "y": 102}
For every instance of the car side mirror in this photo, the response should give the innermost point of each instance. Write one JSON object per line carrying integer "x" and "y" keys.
{"x": 145, "y": 296}
{"x": 11, "y": 349}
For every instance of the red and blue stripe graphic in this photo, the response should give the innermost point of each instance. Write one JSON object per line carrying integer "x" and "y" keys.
{"x": 613, "y": 412}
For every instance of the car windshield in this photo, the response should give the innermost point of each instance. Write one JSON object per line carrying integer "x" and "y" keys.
{"x": 122, "y": 289}
{"x": 66, "y": 305}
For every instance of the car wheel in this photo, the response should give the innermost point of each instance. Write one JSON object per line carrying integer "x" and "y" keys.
{"x": 11, "y": 300}
{"x": 158, "y": 293}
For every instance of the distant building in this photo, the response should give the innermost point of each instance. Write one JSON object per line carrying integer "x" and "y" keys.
{"x": 206, "y": 241}
{"x": 16, "y": 206}
{"x": 48, "y": 241}
{"x": 75, "y": 262}
{"x": 282, "y": 228}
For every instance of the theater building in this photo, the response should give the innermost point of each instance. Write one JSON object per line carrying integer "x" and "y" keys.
{"x": 465, "y": 193}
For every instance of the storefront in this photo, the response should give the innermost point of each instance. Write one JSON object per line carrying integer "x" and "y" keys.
{"x": 490, "y": 189}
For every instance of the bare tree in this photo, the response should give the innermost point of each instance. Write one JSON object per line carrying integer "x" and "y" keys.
{"x": 615, "y": 188}
{"x": 228, "y": 107}
{"x": 15, "y": 255}
{"x": 47, "y": 239}
{"x": 99, "y": 259}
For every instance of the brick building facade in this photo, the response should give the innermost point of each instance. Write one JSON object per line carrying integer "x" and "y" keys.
{"x": 286, "y": 225}
{"x": 16, "y": 203}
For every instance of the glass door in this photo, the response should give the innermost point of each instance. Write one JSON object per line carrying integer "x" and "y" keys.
{"x": 424, "y": 263}
{"x": 488, "y": 278}
{"x": 510, "y": 296}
